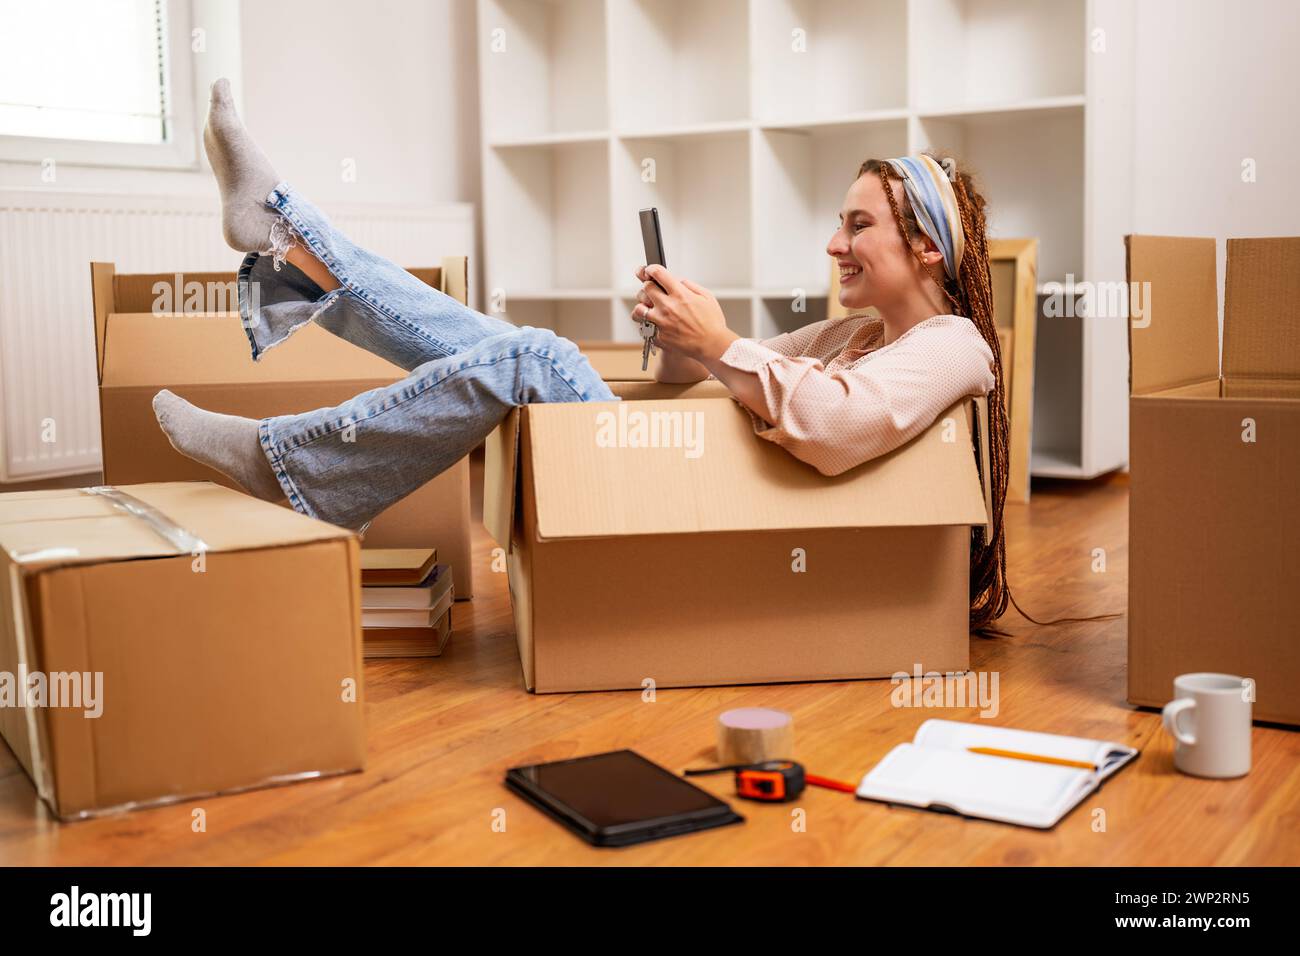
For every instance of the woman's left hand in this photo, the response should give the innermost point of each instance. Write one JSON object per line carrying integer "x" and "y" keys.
{"x": 689, "y": 318}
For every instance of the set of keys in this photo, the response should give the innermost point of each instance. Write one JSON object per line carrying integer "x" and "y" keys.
{"x": 648, "y": 330}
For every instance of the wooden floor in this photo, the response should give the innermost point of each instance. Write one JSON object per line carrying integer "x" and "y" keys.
{"x": 442, "y": 733}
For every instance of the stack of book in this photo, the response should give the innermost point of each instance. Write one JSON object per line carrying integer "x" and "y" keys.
{"x": 406, "y": 599}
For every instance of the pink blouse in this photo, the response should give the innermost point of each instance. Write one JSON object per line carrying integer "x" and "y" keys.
{"x": 836, "y": 397}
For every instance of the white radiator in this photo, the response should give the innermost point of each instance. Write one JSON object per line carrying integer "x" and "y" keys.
{"x": 49, "y": 407}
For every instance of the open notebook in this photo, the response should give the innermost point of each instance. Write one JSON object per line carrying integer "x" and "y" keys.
{"x": 938, "y": 771}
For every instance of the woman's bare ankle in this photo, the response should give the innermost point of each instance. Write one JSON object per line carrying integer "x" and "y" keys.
{"x": 312, "y": 268}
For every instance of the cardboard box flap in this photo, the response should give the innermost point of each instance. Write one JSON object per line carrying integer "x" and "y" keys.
{"x": 1176, "y": 341}
{"x": 636, "y": 391}
{"x": 77, "y": 526}
{"x": 1261, "y": 314}
{"x": 453, "y": 280}
{"x": 500, "y": 463}
{"x": 593, "y": 478}
{"x": 101, "y": 299}
{"x": 143, "y": 349}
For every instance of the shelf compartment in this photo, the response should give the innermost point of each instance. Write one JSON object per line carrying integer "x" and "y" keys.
{"x": 625, "y": 329}
{"x": 584, "y": 318}
{"x": 679, "y": 63}
{"x": 847, "y": 57}
{"x": 551, "y": 139}
{"x": 1058, "y": 396}
{"x": 700, "y": 185}
{"x": 547, "y": 218}
{"x": 810, "y": 124}
{"x": 715, "y": 128}
{"x": 801, "y": 177}
{"x": 995, "y": 51}
{"x": 777, "y": 314}
{"x": 737, "y": 308}
{"x": 1029, "y": 166}
{"x": 566, "y": 293}
{"x": 542, "y": 67}
{"x": 739, "y": 312}
{"x": 1036, "y": 109}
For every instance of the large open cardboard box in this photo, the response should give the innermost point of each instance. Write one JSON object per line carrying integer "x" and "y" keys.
{"x": 204, "y": 358}
{"x": 227, "y": 632}
{"x": 738, "y": 565}
{"x": 1214, "y": 518}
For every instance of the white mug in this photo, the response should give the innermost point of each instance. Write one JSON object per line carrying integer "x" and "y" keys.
{"x": 1209, "y": 719}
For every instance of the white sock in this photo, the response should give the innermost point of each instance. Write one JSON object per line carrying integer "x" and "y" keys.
{"x": 227, "y": 443}
{"x": 244, "y": 175}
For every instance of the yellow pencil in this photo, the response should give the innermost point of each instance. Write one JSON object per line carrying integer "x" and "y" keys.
{"x": 1059, "y": 761}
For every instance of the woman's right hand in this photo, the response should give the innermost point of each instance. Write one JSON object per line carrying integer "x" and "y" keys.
{"x": 673, "y": 365}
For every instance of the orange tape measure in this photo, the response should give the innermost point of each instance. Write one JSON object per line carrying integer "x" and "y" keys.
{"x": 772, "y": 781}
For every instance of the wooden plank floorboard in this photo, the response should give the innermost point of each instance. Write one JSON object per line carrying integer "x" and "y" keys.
{"x": 442, "y": 732}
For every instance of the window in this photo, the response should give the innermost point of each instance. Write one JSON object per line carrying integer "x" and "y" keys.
{"x": 98, "y": 82}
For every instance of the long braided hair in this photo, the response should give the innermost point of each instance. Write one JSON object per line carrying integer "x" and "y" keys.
{"x": 971, "y": 296}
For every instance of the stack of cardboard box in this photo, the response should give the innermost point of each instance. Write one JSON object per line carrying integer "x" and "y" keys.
{"x": 224, "y": 632}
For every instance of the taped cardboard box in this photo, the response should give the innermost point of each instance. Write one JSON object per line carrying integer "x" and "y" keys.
{"x": 204, "y": 358}
{"x": 1214, "y": 461}
{"x": 737, "y": 564}
{"x": 215, "y": 633}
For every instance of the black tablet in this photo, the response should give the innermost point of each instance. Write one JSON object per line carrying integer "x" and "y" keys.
{"x": 619, "y": 798}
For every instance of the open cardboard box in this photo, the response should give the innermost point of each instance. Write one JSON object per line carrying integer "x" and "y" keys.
{"x": 225, "y": 630}
{"x": 618, "y": 361}
{"x": 204, "y": 358}
{"x": 1214, "y": 460}
{"x": 634, "y": 564}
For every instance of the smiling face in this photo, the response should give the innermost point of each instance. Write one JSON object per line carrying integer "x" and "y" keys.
{"x": 876, "y": 267}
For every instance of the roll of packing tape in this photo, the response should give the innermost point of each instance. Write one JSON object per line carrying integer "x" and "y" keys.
{"x": 754, "y": 734}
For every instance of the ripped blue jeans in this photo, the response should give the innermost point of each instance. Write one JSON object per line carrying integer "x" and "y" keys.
{"x": 346, "y": 464}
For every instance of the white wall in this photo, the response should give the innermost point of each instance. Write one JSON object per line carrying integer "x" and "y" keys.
{"x": 391, "y": 84}
{"x": 1217, "y": 83}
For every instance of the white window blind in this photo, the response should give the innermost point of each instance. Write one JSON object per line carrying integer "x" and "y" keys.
{"x": 84, "y": 70}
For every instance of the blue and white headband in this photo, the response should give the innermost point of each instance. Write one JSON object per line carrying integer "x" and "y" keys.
{"x": 931, "y": 194}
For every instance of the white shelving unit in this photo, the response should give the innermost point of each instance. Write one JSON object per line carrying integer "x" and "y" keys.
{"x": 745, "y": 121}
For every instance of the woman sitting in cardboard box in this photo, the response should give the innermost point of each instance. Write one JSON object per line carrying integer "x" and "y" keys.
{"x": 911, "y": 242}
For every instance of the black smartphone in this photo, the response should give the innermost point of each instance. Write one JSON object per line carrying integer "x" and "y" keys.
{"x": 652, "y": 238}
{"x": 619, "y": 798}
